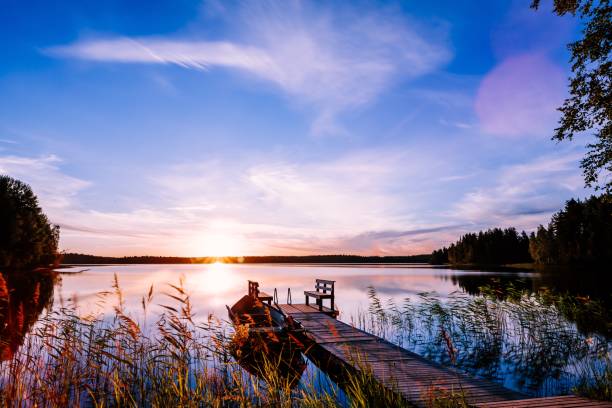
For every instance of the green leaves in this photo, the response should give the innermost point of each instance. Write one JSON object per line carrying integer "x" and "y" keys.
{"x": 27, "y": 239}
{"x": 581, "y": 233}
{"x": 589, "y": 106}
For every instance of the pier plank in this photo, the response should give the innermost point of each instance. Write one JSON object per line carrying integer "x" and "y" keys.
{"x": 567, "y": 401}
{"x": 407, "y": 373}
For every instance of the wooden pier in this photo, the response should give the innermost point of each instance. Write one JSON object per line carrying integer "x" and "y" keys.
{"x": 337, "y": 344}
{"x": 339, "y": 348}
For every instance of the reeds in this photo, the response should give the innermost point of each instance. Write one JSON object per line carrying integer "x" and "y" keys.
{"x": 596, "y": 380}
{"x": 531, "y": 341}
{"x": 99, "y": 361}
{"x": 179, "y": 361}
{"x": 183, "y": 361}
{"x": 440, "y": 398}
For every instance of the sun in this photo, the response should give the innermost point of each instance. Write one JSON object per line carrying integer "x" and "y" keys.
{"x": 218, "y": 245}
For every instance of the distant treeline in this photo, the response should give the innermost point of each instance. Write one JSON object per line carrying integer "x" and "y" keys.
{"x": 581, "y": 233}
{"x": 492, "y": 247}
{"x": 72, "y": 258}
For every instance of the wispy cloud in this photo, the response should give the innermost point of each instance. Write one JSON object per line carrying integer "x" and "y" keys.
{"x": 325, "y": 195}
{"x": 393, "y": 241}
{"x": 524, "y": 195}
{"x": 355, "y": 203}
{"x": 331, "y": 58}
{"x": 54, "y": 188}
{"x": 258, "y": 205}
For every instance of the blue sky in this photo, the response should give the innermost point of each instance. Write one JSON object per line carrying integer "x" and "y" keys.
{"x": 238, "y": 128}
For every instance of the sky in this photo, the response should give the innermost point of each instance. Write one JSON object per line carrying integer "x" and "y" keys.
{"x": 217, "y": 128}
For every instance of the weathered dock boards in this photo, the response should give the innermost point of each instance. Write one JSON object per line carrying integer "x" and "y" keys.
{"x": 407, "y": 373}
{"x": 567, "y": 401}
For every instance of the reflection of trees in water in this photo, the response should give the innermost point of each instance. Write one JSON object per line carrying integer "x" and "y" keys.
{"x": 23, "y": 297}
{"x": 275, "y": 363}
{"x": 498, "y": 284}
{"x": 582, "y": 283}
{"x": 581, "y": 296}
{"x": 517, "y": 336}
{"x": 591, "y": 283}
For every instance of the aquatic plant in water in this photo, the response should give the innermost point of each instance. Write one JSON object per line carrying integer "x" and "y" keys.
{"x": 96, "y": 360}
{"x": 67, "y": 359}
{"x": 526, "y": 341}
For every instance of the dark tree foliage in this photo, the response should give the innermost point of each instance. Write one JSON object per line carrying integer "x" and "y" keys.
{"x": 72, "y": 258}
{"x": 492, "y": 247}
{"x": 27, "y": 239}
{"x": 580, "y": 233}
{"x": 589, "y": 106}
{"x": 439, "y": 256}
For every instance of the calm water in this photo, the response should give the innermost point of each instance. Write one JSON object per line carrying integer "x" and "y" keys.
{"x": 213, "y": 286}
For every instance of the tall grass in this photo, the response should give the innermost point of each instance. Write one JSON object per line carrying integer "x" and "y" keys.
{"x": 596, "y": 382}
{"x": 93, "y": 360}
{"x": 179, "y": 360}
{"x": 100, "y": 360}
{"x": 527, "y": 340}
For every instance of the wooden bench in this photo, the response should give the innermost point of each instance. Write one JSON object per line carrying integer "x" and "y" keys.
{"x": 256, "y": 293}
{"x": 324, "y": 289}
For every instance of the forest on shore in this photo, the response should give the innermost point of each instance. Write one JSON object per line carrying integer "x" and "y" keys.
{"x": 75, "y": 259}
{"x": 27, "y": 240}
{"x": 580, "y": 233}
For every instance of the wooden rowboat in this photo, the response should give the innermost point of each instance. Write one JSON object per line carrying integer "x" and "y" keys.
{"x": 256, "y": 312}
{"x": 263, "y": 343}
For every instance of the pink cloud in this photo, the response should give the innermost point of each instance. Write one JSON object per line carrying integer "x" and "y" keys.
{"x": 520, "y": 96}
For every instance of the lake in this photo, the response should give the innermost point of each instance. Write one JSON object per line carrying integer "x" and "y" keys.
{"x": 546, "y": 367}
{"x": 212, "y": 286}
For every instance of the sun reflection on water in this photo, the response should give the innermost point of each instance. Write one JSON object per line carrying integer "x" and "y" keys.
{"x": 216, "y": 280}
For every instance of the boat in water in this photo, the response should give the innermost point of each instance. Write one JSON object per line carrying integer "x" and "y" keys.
{"x": 263, "y": 343}
{"x": 255, "y": 311}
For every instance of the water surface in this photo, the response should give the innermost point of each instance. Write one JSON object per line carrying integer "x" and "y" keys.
{"x": 212, "y": 286}
{"x": 548, "y": 367}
